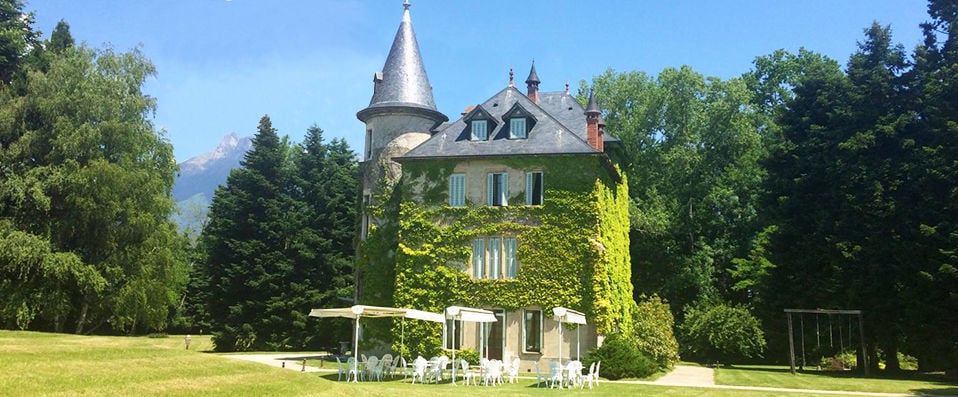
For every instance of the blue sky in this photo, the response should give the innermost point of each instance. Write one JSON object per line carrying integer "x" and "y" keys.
{"x": 224, "y": 63}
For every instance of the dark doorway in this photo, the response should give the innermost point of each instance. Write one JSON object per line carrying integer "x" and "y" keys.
{"x": 495, "y": 334}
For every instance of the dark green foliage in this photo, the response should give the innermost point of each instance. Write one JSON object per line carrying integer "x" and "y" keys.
{"x": 16, "y": 37}
{"x": 85, "y": 183}
{"x": 621, "y": 358}
{"x": 278, "y": 244}
{"x": 722, "y": 333}
{"x": 653, "y": 322}
{"x": 61, "y": 39}
{"x": 692, "y": 147}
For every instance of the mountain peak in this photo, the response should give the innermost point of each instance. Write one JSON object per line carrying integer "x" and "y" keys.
{"x": 203, "y": 173}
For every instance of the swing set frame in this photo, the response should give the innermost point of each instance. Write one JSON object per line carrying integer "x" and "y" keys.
{"x": 791, "y": 336}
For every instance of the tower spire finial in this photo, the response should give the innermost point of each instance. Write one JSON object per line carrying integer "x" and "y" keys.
{"x": 405, "y": 4}
{"x": 511, "y": 81}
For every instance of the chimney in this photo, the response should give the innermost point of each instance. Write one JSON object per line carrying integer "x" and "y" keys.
{"x": 532, "y": 85}
{"x": 601, "y": 138}
{"x": 592, "y": 119}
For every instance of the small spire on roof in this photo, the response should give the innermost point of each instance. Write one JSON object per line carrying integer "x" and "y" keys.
{"x": 405, "y": 4}
{"x": 533, "y": 77}
{"x": 593, "y": 107}
{"x": 511, "y": 82}
{"x": 567, "y": 88}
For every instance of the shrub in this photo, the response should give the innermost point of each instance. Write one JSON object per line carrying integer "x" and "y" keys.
{"x": 469, "y": 355}
{"x": 722, "y": 333}
{"x": 621, "y": 358}
{"x": 653, "y": 323}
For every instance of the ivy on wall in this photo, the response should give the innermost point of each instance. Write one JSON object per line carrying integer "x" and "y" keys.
{"x": 572, "y": 250}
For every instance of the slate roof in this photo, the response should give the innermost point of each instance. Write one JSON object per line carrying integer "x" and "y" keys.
{"x": 559, "y": 128}
{"x": 402, "y": 82}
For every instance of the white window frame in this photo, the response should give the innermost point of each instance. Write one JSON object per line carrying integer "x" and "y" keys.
{"x": 495, "y": 258}
{"x": 525, "y": 331}
{"x": 457, "y": 190}
{"x": 478, "y": 258}
{"x": 480, "y": 130}
{"x": 510, "y": 249}
{"x": 530, "y": 188}
{"x": 517, "y": 128}
{"x": 502, "y": 199}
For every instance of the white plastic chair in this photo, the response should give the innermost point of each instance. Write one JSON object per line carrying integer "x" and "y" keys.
{"x": 493, "y": 373}
{"x": 513, "y": 373}
{"x": 352, "y": 369}
{"x": 555, "y": 374}
{"x": 540, "y": 377}
{"x": 388, "y": 366}
{"x": 340, "y": 369}
{"x": 573, "y": 373}
{"x": 419, "y": 370}
{"x": 372, "y": 367}
{"x": 467, "y": 374}
{"x": 598, "y": 365}
{"x": 590, "y": 378}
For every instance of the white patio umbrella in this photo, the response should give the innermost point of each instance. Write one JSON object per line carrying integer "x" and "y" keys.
{"x": 466, "y": 314}
{"x": 358, "y": 311}
{"x": 566, "y": 315}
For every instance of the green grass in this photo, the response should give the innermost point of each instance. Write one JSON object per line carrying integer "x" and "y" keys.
{"x": 779, "y": 376}
{"x": 45, "y": 364}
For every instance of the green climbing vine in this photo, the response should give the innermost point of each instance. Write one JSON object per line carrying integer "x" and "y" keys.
{"x": 572, "y": 250}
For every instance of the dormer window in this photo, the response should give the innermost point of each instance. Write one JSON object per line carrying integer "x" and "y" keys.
{"x": 520, "y": 122}
{"x": 480, "y": 130}
{"x": 517, "y": 128}
{"x": 479, "y": 124}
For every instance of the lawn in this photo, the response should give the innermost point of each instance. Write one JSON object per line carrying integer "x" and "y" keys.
{"x": 779, "y": 376}
{"x": 65, "y": 365}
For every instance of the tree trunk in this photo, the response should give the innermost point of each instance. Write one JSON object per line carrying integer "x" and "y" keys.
{"x": 82, "y": 320}
{"x": 891, "y": 358}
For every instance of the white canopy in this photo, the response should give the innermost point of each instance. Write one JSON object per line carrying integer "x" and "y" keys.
{"x": 566, "y": 315}
{"x": 466, "y": 314}
{"x": 377, "y": 311}
{"x": 470, "y": 314}
{"x": 358, "y": 311}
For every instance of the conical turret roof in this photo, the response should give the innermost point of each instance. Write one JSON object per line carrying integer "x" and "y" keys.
{"x": 402, "y": 82}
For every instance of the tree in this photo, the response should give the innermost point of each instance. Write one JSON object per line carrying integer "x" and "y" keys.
{"x": 279, "y": 243}
{"x": 691, "y": 153}
{"x": 61, "y": 39}
{"x": 85, "y": 183}
{"x": 722, "y": 333}
{"x": 17, "y": 37}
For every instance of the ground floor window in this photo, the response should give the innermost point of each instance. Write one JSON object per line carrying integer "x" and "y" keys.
{"x": 452, "y": 339}
{"x": 532, "y": 331}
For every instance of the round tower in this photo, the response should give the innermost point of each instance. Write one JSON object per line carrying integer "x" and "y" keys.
{"x": 400, "y": 114}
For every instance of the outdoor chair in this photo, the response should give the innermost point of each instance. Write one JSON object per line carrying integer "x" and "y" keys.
{"x": 598, "y": 365}
{"x": 540, "y": 377}
{"x": 352, "y": 369}
{"x": 438, "y": 367}
{"x": 340, "y": 369}
{"x": 467, "y": 374}
{"x": 555, "y": 374}
{"x": 372, "y": 365}
{"x": 513, "y": 373}
{"x": 589, "y": 378}
{"x": 573, "y": 373}
{"x": 387, "y": 363}
{"x": 493, "y": 373}
{"x": 419, "y": 370}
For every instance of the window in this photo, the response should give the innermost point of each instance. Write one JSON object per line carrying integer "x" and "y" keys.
{"x": 534, "y": 188}
{"x": 532, "y": 331}
{"x": 478, "y": 258}
{"x": 494, "y": 258}
{"x": 369, "y": 144}
{"x": 512, "y": 266}
{"x": 517, "y": 128}
{"x": 457, "y": 190}
{"x": 452, "y": 339}
{"x": 480, "y": 131}
{"x": 497, "y": 188}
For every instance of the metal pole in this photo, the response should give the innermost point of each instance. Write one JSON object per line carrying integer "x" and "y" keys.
{"x": 791, "y": 344}
{"x": 802, "y": 318}
{"x": 454, "y": 351}
{"x": 560, "y": 341}
{"x": 356, "y": 352}
{"x": 861, "y": 338}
